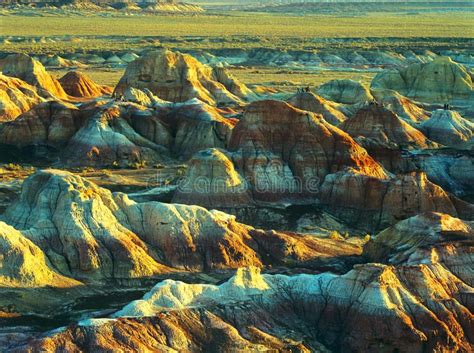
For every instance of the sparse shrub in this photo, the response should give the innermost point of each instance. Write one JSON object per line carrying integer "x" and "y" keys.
{"x": 334, "y": 235}
{"x": 137, "y": 165}
{"x": 87, "y": 193}
{"x": 180, "y": 172}
{"x": 13, "y": 167}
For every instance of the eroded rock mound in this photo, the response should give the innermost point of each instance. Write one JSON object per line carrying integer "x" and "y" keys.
{"x": 345, "y": 91}
{"x": 108, "y": 138}
{"x": 195, "y": 126}
{"x": 448, "y": 127}
{"x": 52, "y": 123}
{"x": 193, "y": 330}
{"x": 407, "y": 307}
{"x": 33, "y": 72}
{"x": 77, "y": 84}
{"x": 212, "y": 181}
{"x": 407, "y": 109}
{"x": 385, "y": 127}
{"x": 16, "y": 97}
{"x": 316, "y": 104}
{"x": 375, "y": 203}
{"x": 145, "y": 97}
{"x": 179, "y": 77}
{"x": 285, "y": 152}
{"x": 87, "y": 233}
{"x": 106, "y": 132}
{"x": 439, "y": 81}
{"x": 425, "y": 237}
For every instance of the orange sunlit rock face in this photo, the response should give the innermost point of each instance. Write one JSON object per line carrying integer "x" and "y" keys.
{"x": 77, "y": 84}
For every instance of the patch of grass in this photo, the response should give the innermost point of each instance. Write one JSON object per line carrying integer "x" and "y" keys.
{"x": 275, "y": 77}
{"x": 229, "y": 30}
{"x": 288, "y": 80}
{"x": 137, "y": 165}
{"x": 218, "y": 25}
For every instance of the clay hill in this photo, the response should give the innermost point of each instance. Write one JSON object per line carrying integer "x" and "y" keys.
{"x": 77, "y": 84}
{"x": 25, "y": 81}
{"x": 405, "y": 108}
{"x": 178, "y": 77}
{"x": 385, "y": 136}
{"x": 276, "y": 147}
{"x": 282, "y": 155}
{"x": 415, "y": 298}
{"x": 212, "y": 181}
{"x": 16, "y": 97}
{"x": 439, "y": 81}
{"x": 374, "y": 203}
{"x": 317, "y": 104}
{"x": 33, "y": 72}
{"x": 65, "y": 229}
{"x": 448, "y": 127}
{"x": 103, "y": 133}
{"x": 345, "y": 91}
{"x": 383, "y": 126}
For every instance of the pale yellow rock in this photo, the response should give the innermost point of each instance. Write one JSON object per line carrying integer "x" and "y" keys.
{"x": 439, "y": 81}
{"x": 345, "y": 91}
{"x": 212, "y": 181}
{"x": 16, "y": 97}
{"x": 24, "y": 265}
{"x": 178, "y": 77}
{"x": 33, "y": 72}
